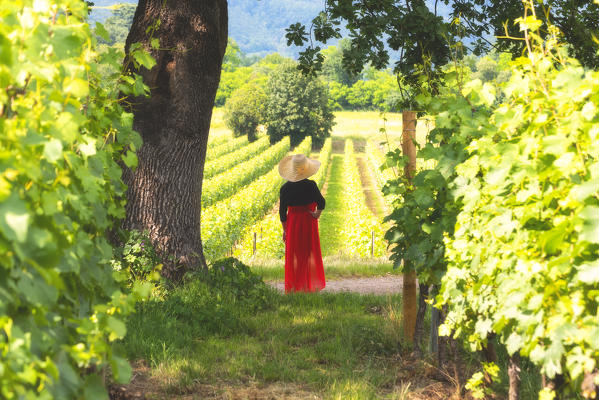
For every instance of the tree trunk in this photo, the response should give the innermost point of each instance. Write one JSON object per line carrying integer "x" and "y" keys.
{"x": 419, "y": 330}
{"x": 164, "y": 192}
{"x": 513, "y": 372}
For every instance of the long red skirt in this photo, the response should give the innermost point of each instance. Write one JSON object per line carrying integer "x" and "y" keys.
{"x": 303, "y": 260}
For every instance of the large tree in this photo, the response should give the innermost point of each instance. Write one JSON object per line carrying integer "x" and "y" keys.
{"x": 188, "y": 39}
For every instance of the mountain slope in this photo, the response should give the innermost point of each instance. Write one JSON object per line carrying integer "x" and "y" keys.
{"x": 258, "y": 26}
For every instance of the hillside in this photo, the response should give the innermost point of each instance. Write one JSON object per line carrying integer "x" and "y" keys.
{"x": 258, "y": 26}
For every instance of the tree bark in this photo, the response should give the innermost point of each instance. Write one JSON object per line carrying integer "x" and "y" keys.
{"x": 164, "y": 191}
{"x": 513, "y": 372}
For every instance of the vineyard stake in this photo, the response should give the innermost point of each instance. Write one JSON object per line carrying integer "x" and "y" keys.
{"x": 254, "y": 247}
{"x": 408, "y": 147}
{"x": 372, "y": 245}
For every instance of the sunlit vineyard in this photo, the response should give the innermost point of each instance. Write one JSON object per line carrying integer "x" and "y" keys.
{"x": 264, "y": 239}
{"x": 240, "y": 204}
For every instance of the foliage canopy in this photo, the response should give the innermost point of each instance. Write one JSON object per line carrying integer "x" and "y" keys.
{"x": 297, "y": 106}
{"x": 245, "y": 110}
{"x": 62, "y": 137}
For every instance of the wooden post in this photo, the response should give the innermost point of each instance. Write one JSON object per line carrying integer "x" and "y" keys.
{"x": 254, "y": 247}
{"x": 408, "y": 148}
{"x": 372, "y": 245}
{"x": 513, "y": 372}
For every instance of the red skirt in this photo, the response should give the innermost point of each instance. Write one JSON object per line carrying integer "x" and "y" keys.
{"x": 303, "y": 260}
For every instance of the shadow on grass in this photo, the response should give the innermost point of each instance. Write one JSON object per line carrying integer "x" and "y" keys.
{"x": 319, "y": 341}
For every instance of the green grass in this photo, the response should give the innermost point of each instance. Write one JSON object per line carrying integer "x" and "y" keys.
{"x": 217, "y": 124}
{"x": 333, "y": 346}
{"x": 334, "y": 268}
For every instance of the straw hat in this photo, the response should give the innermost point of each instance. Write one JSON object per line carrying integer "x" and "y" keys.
{"x": 297, "y": 167}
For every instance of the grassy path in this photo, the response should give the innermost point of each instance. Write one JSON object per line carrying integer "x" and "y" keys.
{"x": 331, "y": 221}
{"x": 302, "y": 346}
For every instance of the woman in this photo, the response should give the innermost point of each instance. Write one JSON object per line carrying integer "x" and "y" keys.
{"x": 300, "y": 206}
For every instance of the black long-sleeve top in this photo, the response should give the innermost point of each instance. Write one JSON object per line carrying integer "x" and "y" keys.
{"x": 299, "y": 193}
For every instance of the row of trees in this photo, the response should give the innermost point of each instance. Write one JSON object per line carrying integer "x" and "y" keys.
{"x": 370, "y": 90}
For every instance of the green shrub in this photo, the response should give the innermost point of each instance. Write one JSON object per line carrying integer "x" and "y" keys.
{"x": 137, "y": 258}
{"x": 297, "y": 106}
{"x": 210, "y": 302}
{"x": 244, "y": 110}
{"x": 62, "y": 137}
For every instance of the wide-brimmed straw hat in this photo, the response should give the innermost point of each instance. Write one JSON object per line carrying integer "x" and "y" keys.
{"x": 297, "y": 167}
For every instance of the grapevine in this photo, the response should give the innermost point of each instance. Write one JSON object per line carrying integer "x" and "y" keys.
{"x": 225, "y": 162}
{"x": 269, "y": 231}
{"x": 60, "y": 192}
{"x": 224, "y": 222}
{"x": 359, "y": 221}
{"x": 226, "y": 184}
{"x": 223, "y": 148}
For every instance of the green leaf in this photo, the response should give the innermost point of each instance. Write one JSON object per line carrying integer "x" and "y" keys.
{"x": 590, "y": 228}
{"x": 102, "y": 32}
{"x": 14, "y": 218}
{"x": 119, "y": 329}
{"x": 564, "y": 161}
{"x": 77, "y": 87}
{"x": 514, "y": 342}
{"x": 586, "y": 190}
{"x": 589, "y": 272}
{"x": 144, "y": 58}
{"x": 94, "y": 388}
{"x": 552, "y": 240}
{"x": 5, "y": 51}
{"x": 121, "y": 369}
{"x": 53, "y": 150}
{"x": 37, "y": 291}
{"x": 130, "y": 159}
{"x": 89, "y": 148}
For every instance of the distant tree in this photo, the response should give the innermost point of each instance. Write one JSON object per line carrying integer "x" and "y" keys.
{"x": 297, "y": 106}
{"x": 233, "y": 56}
{"x": 244, "y": 110}
{"x": 270, "y": 62}
{"x": 230, "y": 81}
{"x": 236, "y": 72}
{"x": 332, "y": 66}
{"x": 492, "y": 68}
{"x": 118, "y": 23}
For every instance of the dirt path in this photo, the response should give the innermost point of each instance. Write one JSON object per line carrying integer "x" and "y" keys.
{"x": 380, "y": 285}
{"x": 372, "y": 192}
{"x": 338, "y": 146}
